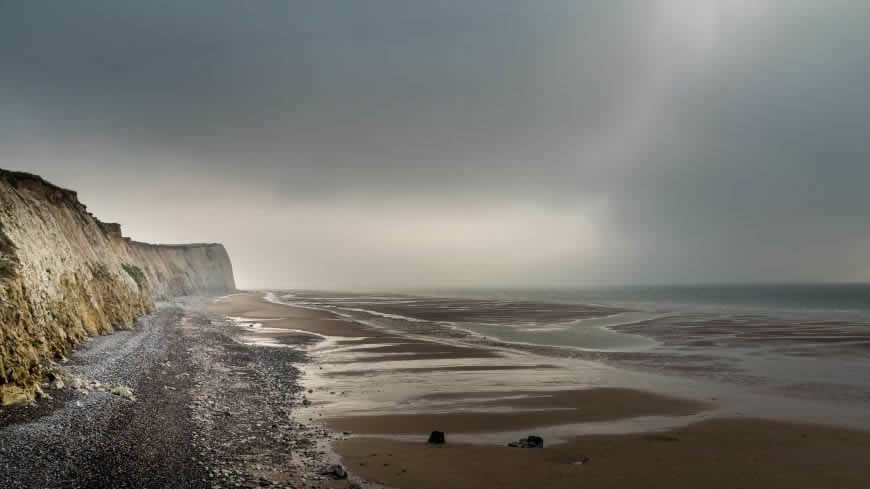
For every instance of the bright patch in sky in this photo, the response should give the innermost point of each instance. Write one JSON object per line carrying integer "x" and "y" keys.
{"x": 699, "y": 23}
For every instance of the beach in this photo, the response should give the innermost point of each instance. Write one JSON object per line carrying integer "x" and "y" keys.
{"x": 385, "y": 391}
{"x": 199, "y": 408}
{"x": 726, "y": 453}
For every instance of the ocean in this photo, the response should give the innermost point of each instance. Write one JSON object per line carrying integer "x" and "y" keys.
{"x": 789, "y": 341}
{"x": 781, "y": 298}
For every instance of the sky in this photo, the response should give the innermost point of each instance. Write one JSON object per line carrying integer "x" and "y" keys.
{"x": 459, "y": 143}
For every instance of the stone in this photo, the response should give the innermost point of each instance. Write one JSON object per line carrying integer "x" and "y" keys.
{"x": 122, "y": 391}
{"x": 532, "y": 441}
{"x": 437, "y": 437}
{"x": 335, "y": 470}
{"x": 13, "y": 394}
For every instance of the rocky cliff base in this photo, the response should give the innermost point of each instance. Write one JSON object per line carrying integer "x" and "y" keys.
{"x": 205, "y": 410}
{"x": 65, "y": 276}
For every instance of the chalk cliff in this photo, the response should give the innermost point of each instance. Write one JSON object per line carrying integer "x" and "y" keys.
{"x": 64, "y": 275}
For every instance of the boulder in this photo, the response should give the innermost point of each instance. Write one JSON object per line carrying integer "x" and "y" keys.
{"x": 437, "y": 437}
{"x": 13, "y": 394}
{"x": 121, "y": 391}
{"x": 335, "y": 470}
{"x": 531, "y": 441}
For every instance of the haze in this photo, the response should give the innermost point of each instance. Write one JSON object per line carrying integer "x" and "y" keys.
{"x": 386, "y": 143}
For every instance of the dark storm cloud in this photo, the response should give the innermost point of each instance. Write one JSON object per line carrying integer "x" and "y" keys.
{"x": 327, "y": 90}
{"x": 478, "y": 142}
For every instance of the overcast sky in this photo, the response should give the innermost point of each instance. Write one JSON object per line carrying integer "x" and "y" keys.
{"x": 394, "y": 143}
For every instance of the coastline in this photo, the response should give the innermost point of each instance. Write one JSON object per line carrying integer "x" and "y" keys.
{"x": 242, "y": 392}
{"x": 206, "y": 410}
{"x": 387, "y": 431}
{"x": 744, "y": 453}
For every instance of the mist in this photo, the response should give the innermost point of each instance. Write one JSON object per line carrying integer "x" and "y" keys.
{"x": 388, "y": 144}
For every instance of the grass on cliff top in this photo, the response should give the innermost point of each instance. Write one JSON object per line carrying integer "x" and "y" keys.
{"x": 136, "y": 274}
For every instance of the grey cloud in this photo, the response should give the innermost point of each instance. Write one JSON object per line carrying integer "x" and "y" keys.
{"x": 319, "y": 138}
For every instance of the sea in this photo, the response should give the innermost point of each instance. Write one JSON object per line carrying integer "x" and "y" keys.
{"x": 783, "y": 342}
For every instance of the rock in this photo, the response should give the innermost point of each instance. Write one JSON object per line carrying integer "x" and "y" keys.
{"x": 57, "y": 384}
{"x": 122, "y": 391}
{"x": 13, "y": 394}
{"x": 76, "y": 383}
{"x": 335, "y": 470}
{"x": 437, "y": 437}
{"x": 531, "y": 441}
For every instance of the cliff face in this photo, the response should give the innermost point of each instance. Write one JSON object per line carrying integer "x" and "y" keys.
{"x": 64, "y": 275}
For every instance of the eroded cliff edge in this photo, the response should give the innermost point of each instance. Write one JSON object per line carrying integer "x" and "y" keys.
{"x": 64, "y": 275}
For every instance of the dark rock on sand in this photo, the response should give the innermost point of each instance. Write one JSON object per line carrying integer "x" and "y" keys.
{"x": 531, "y": 441}
{"x": 437, "y": 437}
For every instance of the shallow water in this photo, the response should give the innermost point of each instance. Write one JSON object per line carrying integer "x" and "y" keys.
{"x": 589, "y": 333}
{"x": 780, "y": 363}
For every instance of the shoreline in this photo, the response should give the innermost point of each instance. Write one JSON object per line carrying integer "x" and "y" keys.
{"x": 733, "y": 378}
{"x": 388, "y": 431}
{"x": 240, "y": 392}
{"x": 206, "y": 411}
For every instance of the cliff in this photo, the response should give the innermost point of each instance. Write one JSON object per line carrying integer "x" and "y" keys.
{"x": 64, "y": 275}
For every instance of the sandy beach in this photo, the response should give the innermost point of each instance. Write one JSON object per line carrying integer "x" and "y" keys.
{"x": 388, "y": 441}
{"x": 724, "y": 453}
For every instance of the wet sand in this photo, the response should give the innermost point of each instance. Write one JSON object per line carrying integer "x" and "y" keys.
{"x": 461, "y": 368}
{"x": 255, "y": 307}
{"x": 809, "y": 337}
{"x": 473, "y": 412}
{"x": 366, "y": 340}
{"x": 389, "y": 433}
{"x": 723, "y": 453}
